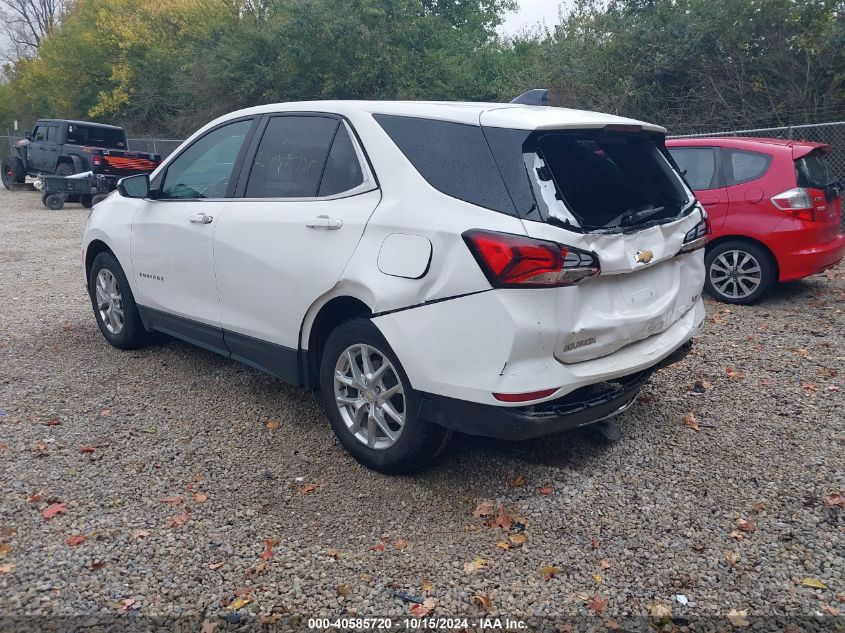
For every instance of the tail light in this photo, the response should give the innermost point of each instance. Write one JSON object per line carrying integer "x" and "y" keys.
{"x": 801, "y": 203}
{"x": 697, "y": 236}
{"x": 97, "y": 160}
{"x": 514, "y": 261}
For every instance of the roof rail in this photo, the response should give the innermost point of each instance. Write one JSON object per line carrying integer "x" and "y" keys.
{"x": 535, "y": 97}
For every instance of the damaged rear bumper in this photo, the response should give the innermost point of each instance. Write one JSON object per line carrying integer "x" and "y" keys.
{"x": 583, "y": 406}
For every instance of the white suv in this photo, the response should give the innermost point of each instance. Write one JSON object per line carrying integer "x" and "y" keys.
{"x": 497, "y": 269}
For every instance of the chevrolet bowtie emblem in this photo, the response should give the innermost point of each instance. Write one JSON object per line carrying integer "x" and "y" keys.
{"x": 644, "y": 257}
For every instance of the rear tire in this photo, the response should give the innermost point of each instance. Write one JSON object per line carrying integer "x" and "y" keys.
{"x": 114, "y": 305}
{"x": 367, "y": 424}
{"x": 13, "y": 172}
{"x": 739, "y": 272}
{"x": 86, "y": 201}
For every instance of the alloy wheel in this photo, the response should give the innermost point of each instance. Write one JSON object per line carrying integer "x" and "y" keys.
{"x": 370, "y": 396}
{"x": 109, "y": 301}
{"x": 736, "y": 274}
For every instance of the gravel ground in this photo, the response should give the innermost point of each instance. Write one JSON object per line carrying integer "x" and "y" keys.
{"x": 166, "y": 466}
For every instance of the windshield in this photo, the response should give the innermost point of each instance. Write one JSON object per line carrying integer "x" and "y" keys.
{"x": 96, "y": 136}
{"x": 590, "y": 180}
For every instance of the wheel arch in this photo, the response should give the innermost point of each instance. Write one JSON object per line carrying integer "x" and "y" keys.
{"x": 94, "y": 248}
{"x": 317, "y": 328}
{"x": 745, "y": 238}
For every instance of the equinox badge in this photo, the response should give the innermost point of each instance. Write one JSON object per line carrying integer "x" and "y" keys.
{"x": 644, "y": 256}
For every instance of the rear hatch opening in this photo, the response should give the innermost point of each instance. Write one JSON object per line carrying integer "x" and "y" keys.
{"x": 592, "y": 180}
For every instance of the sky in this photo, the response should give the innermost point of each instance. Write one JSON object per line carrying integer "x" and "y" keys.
{"x": 529, "y": 14}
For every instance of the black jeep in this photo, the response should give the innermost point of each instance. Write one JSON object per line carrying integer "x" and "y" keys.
{"x": 61, "y": 147}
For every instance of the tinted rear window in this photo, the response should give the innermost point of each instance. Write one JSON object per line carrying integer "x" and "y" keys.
{"x": 95, "y": 136}
{"x": 813, "y": 170}
{"x": 454, "y": 158}
{"x": 744, "y": 166}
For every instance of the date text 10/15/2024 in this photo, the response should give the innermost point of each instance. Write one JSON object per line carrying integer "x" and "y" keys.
{"x": 416, "y": 624}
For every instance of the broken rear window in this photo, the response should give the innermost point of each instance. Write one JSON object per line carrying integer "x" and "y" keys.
{"x": 590, "y": 180}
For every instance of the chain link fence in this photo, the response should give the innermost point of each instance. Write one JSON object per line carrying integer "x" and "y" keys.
{"x": 832, "y": 133}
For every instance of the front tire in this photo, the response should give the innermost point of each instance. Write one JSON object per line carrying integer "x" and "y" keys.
{"x": 370, "y": 403}
{"x": 739, "y": 272}
{"x": 114, "y": 305}
{"x": 13, "y": 172}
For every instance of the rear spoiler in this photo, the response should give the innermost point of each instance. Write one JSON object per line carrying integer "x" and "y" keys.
{"x": 800, "y": 151}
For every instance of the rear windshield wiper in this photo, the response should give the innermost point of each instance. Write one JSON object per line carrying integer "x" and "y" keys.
{"x": 635, "y": 216}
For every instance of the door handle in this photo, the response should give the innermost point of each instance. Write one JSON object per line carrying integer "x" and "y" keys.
{"x": 708, "y": 203}
{"x": 201, "y": 218}
{"x": 324, "y": 222}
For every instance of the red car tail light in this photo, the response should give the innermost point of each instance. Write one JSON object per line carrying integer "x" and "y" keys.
{"x": 524, "y": 397}
{"x": 801, "y": 203}
{"x": 97, "y": 160}
{"x": 514, "y": 261}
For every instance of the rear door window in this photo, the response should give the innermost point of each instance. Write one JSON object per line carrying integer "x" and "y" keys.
{"x": 343, "y": 168}
{"x": 744, "y": 166}
{"x": 291, "y": 157}
{"x": 699, "y": 165}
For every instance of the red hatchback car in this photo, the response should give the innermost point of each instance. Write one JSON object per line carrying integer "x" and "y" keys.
{"x": 775, "y": 211}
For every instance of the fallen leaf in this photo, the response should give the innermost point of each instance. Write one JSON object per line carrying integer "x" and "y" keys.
{"x": 518, "y": 539}
{"x": 41, "y": 449}
{"x": 758, "y": 507}
{"x": 240, "y": 603}
{"x": 483, "y": 601}
{"x": 86, "y": 449}
{"x": 334, "y": 553}
{"x": 5, "y": 548}
{"x": 690, "y": 422}
{"x": 140, "y": 533}
{"x": 307, "y": 490}
{"x": 208, "y": 626}
{"x": 518, "y": 481}
{"x": 422, "y": 610}
{"x": 733, "y": 374}
{"x": 200, "y": 497}
{"x": 105, "y": 412}
{"x": 53, "y": 422}
{"x": 612, "y": 625}
{"x": 813, "y": 582}
{"x": 377, "y": 548}
{"x": 597, "y": 604}
{"x": 594, "y": 543}
{"x": 800, "y": 351}
{"x": 343, "y": 590}
{"x": 426, "y": 585}
{"x": 53, "y": 509}
{"x": 659, "y": 611}
{"x": 604, "y": 563}
{"x": 737, "y": 535}
{"x": 645, "y": 398}
{"x": 832, "y": 610}
{"x": 809, "y": 386}
{"x": 172, "y": 500}
{"x": 97, "y": 564}
{"x": 76, "y": 539}
{"x": 179, "y": 519}
{"x": 835, "y": 500}
{"x": 502, "y": 545}
{"x": 738, "y": 618}
{"x": 127, "y": 604}
{"x": 474, "y": 565}
{"x": 215, "y": 566}
{"x": 483, "y": 509}
{"x": 269, "y": 544}
{"x": 35, "y": 497}
{"x": 273, "y": 618}
{"x": 598, "y": 578}
{"x": 273, "y": 424}
{"x": 732, "y": 558}
{"x": 401, "y": 543}
{"x": 7, "y": 568}
{"x": 745, "y": 525}
{"x": 549, "y": 571}
{"x": 545, "y": 490}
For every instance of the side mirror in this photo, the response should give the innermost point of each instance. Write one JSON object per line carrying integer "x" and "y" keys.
{"x": 28, "y": 135}
{"x": 137, "y": 186}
